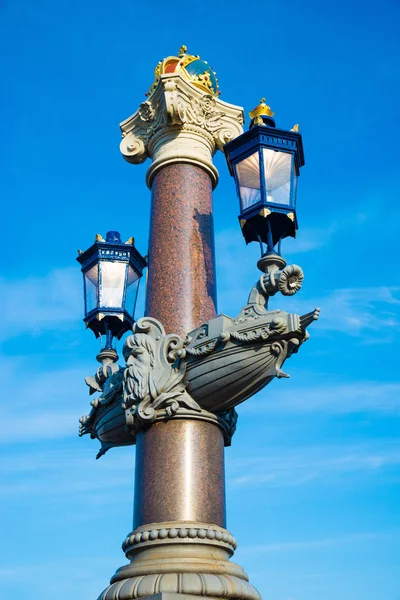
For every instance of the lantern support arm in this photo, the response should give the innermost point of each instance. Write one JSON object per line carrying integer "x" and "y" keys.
{"x": 277, "y": 277}
{"x": 109, "y": 336}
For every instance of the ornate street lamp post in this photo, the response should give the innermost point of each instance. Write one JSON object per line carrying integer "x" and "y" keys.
{"x": 265, "y": 163}
{"x": 187, "y": 368}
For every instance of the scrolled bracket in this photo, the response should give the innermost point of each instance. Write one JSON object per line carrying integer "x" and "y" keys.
{"x": 290, "y": 280}
{"x": 134, "y": 148}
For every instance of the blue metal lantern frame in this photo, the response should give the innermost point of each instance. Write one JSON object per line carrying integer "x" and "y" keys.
{"x": 105, "y": 320}
{"x": 279, "y": 220}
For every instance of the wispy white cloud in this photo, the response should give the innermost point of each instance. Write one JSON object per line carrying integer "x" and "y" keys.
{"x": 35, "y": 304}
{"x": 230, "y": 243}
{"x": 74, "y": 473}
{"x": 363, "y": 311}
{"x": 90, "y": 576}
{"x": 303, "y": 466}
{"x": 50, "y": 424}
{"x": 54, "y": 459}
{"x": 46, "y": 404}
{"x": 320, "y": 544}
{"x": 12, "y": 572}
{"x": 52, "y": 302}
{"x": 309, "y": 239}
{"x": 356, "y": 311}
{"x": 354, "y": 397}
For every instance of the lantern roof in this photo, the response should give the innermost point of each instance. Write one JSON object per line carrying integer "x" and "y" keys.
{"x": 267, "y": 136}
{"x": 191, "y": 67}
{"x": 112, "y": 248}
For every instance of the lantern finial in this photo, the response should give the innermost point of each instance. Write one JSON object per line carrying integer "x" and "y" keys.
{"x": 262, "y": 115}
{"x": 261, "y": 109}
{"x": 113, "y": 237}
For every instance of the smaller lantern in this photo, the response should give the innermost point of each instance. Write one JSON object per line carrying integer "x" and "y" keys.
{"x": 265, "y": 163}
{"x": 111, "y": 273}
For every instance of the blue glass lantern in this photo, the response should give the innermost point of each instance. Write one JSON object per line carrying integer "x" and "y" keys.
{"x": 265, "y": 163}
{"x": 111, "y": 272}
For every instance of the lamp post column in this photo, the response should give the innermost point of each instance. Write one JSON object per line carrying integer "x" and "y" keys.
{"x": 180, "y": 463}
{"x": 179, "y": 543}
{"x": 186, "y": 368}
{"x": 181, "y": 284}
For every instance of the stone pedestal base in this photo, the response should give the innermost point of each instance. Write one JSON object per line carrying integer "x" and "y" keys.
{"x": 171, "y": 596}
{"x": 175, "y": 560}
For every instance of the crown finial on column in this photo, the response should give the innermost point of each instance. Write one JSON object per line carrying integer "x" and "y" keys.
{"x": 184, "y": 98}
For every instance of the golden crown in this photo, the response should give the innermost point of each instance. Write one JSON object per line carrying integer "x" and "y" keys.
{"x": 192, "y": 67}
{"x": 261, "y": 109}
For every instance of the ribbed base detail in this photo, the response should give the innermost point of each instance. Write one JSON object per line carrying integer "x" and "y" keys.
{"x": 180, "y": 558}
{"x": 197, "y": 584}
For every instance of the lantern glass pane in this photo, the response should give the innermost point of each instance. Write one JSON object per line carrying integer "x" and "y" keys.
{"x": 112, "y": 283}
{"x": 131, "y": 290}
{"x": 248, "y": 173}
{"x": 91, "y": 287}
{"x": 278, "y": 168}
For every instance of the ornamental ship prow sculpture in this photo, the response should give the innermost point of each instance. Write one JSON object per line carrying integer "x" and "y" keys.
{"x": 187, "y": 368}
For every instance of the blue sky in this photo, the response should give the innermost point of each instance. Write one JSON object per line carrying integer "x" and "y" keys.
{"x": 314, "y": 470}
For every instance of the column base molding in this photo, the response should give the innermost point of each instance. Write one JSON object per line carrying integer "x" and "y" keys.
{"x": 173, "y": 533}
{"x": 172, "y": 561}
{"x": 171, "y": 596}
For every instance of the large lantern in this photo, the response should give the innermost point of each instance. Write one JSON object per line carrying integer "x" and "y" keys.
{"x": 111, "y": 272}
{"x": 265, "y": 163}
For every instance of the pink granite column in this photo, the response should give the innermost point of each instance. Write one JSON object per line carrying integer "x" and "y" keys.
{"x": 180, "y": 463}
{"x": 181, "y": 285}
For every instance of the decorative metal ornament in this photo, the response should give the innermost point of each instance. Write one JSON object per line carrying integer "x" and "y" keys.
{"x": 265, "y": 163}
{"x": 262, "y": 109}
{"x": 111, "y": 272}
{"x": 175, "y": 396}
{"x": 204, "y": 376}
{"x": 192, "y": 67}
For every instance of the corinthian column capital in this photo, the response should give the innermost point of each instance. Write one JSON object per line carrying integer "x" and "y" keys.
{"x": 179, "y": 123}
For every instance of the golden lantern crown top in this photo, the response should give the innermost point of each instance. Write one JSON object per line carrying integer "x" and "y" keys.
{"x": 191, "y": 67}
{"x": 261, "y": 109}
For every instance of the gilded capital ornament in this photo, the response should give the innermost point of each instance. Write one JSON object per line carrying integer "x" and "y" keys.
{"x": 179, "y": 122}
